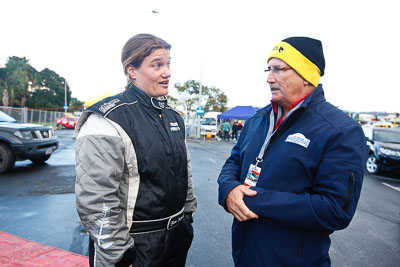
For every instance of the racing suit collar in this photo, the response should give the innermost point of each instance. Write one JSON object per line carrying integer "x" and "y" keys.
{"x": 149, "y": 101}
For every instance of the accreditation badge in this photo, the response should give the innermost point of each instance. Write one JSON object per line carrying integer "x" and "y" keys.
{"x": 252, "y": 175}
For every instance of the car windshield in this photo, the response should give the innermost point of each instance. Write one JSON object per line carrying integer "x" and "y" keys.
{"x": 387, "y": 136}
{"x": 5, "y": 118}
{"x": 209, "y": 121}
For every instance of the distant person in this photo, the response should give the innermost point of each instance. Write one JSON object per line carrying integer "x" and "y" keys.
{"x": 234, "y": 130}
{"x": 134, "y": 189}
{"x": 239, "y": 127}
{"x": 226, "y": 128}
{"x": 295, "y": 175}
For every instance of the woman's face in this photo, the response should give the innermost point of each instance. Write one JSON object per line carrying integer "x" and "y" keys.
{"x": 152, "y": 77}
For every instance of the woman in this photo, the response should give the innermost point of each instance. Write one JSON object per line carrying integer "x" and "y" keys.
{"x": 134, "y": 190}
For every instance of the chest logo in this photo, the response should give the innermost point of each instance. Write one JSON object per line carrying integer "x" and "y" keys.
{"x": 109, "y": 105}
{"x": 174, "y": 126}
{"x": 298, "y": 139}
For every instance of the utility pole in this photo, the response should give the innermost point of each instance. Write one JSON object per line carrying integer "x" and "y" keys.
{"x": 200, "y": 100}
{"x": 65, "y": 96}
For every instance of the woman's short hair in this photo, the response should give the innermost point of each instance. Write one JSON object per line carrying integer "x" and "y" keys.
{"x": 139, "y": 47}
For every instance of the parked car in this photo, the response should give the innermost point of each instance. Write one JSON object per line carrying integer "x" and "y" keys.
{"x": 21, "y": 141}
{"x": 67, "y": 122}
{"x": 383, "y": 149}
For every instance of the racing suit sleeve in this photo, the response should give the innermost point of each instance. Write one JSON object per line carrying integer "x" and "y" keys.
{"x": 191, "y": 200}
{"x": 336, "y": 188}
{"x": 100, "y": 166}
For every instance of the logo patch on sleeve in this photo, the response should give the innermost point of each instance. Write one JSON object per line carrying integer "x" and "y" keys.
{"x": 298, "y": 139}
{"x": 108, "y": 105}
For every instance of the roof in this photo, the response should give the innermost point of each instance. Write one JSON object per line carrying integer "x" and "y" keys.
{"x": 238, "y": 112}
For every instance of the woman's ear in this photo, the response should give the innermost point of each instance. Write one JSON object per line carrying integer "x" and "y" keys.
{"x": 130, "y": 70}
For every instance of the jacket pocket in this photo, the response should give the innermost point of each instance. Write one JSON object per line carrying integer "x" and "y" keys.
{"x": 351, "y": 187}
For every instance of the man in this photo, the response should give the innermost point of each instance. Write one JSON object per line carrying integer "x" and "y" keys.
{"x": 234, "y": 131}
{"x": 226, "y": 128}
{"x": 295, "y": 175}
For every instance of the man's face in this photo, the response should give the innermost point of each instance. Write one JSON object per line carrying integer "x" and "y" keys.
{"x": 153, "y": 75}
{"x": 286, "y": 85}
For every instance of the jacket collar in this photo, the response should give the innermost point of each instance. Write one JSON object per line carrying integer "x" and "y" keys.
{"x": 316, "y": 96}
{"x": 134, "y": 93}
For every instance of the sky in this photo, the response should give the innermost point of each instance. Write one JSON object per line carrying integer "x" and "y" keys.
{"x": 222, "y": 43}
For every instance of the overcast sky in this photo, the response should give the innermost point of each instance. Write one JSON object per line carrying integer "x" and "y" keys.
{"x": 224, "y": 42}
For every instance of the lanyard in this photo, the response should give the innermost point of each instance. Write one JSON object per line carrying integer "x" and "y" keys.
{"x": 271, "y": 131}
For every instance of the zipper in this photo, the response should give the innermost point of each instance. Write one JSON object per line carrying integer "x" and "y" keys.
{"x": 301, "y": 245}
{"x": 351, "y": 187}
{"x": 169, "y": 136}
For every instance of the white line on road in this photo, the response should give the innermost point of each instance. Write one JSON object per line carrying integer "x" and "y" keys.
{"x": 213, "y": 161}
{"x": 391, "y": 186}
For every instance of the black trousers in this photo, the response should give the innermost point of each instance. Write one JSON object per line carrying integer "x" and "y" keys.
{"x": 166, "y": 248}
{"x": 226, "y": 135}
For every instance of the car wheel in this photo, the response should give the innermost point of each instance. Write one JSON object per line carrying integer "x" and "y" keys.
{"x": 40, "y": 160}
{"x": 372, "y": 164}
{"x": 7, "y": 158}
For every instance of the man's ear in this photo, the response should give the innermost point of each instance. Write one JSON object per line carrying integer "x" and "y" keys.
{"x": 306, "y": 82}
{"x": 131, "y": 72}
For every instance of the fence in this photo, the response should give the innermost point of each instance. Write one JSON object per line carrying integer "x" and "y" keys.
{"x": 38, "y": 116}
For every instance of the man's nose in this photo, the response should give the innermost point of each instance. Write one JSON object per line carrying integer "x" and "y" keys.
{"x": 271, "y": 77}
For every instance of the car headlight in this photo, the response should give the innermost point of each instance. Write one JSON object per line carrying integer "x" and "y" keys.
{"x": 389, "y": 152}
{"x": 24, "y": 135}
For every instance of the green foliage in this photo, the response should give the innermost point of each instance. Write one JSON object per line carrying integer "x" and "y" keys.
{"x": 26, "y": 86}
{"x": 215, "y": 99}
{"x": 50, "y": 92}
{"x": 75, "y": 105}
{"x": 17, "y": 78}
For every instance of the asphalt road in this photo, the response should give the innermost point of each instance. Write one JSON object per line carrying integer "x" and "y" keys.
{"x": 37, "y": 203}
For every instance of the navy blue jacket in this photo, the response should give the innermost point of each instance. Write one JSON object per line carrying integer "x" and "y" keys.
{"x": 305, "y": 190}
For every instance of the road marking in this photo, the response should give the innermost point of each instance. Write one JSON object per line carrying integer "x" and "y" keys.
{"x": 213, "y": 161}
{"x": 391, "y": 186}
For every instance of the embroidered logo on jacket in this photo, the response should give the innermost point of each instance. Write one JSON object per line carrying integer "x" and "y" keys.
{"x": 299, "y": 139}
{"x": 174, "y": 126}
{"x": 107, "y": 106}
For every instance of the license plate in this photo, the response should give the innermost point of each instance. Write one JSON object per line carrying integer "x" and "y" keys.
{"x": 48, "y": 151}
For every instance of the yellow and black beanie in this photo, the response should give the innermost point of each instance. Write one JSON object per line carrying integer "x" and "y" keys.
{"x": 304, "y": 55}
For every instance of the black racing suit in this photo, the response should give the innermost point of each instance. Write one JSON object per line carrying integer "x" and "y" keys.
{"x": 158, "y": 194}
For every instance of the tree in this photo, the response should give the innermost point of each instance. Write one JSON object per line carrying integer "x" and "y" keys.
{"x": 214, "y": 98}
{"x": 49, "y": 91}
{"x": 3, "y": 88}
{"x": 172, "y": 101}
{"x": 19, "y": 78}
{"x": 21, "y": 84}
{"x": 75, "y": 104}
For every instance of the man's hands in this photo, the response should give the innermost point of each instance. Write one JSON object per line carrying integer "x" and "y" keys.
{"x": 236, "y": 205}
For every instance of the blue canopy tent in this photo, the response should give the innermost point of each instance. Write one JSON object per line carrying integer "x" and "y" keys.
{"x": 238, "y": 113}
